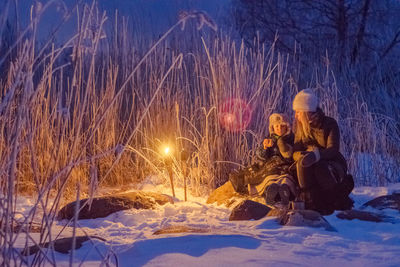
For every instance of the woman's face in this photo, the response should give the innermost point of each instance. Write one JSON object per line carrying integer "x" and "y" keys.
{"x": 280, "y": 129}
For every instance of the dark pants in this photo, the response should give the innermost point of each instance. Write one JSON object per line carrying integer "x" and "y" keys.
{"x": 321, "y": 175}
{"x": 319, "y": 183}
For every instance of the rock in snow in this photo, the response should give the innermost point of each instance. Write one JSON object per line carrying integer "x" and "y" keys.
{"x": 385, "y": 202}
{"x": 226, "y": 195}
{"x": 308, "y": 218}
{"x": 62, "y": 245}
{"x": 104, "y": 206}
{"x": 364, "y": 216}
{"x": 249, "y": 210}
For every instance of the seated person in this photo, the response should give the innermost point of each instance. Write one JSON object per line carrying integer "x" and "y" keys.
{"x": 270, "y": 177}
{"x": 321, "y": 168}
{"x": 275, "y": 157}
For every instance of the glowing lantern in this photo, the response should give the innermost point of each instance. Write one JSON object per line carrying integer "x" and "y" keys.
{"x": 166, "y": 150}
{"x": 168, "y": 164}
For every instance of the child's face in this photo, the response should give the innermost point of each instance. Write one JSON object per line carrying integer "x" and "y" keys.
{"x": 280, "y": 129}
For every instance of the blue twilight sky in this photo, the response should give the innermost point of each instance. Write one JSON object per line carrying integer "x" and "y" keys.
{"x": 151, "y": 17}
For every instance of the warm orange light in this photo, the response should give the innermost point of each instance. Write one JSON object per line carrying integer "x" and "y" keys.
{"x": 229, "y": 118}
{"x": 166, "y": 150}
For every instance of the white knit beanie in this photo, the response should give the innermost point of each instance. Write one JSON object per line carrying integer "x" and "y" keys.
{"x": 278, "y": 118}
{"x": 305, "y": 100}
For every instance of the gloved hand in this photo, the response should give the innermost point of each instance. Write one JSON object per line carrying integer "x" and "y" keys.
{"x": 310, "y": 158}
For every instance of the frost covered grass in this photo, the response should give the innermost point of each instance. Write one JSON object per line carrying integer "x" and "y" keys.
{"x": 100, "y": 106}
{"x": 94, "y": 112}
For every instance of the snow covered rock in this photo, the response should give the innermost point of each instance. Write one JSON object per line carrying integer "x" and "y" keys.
{"x": 106, "y": 205}
{"x": 224, "y": 195}
{"x": 249, "y": 210}
{"x": 62, "y": 245}
{"x": 308, "y": 218}
{"x": 385, "y": 202}
{"x": 364, "y": 216}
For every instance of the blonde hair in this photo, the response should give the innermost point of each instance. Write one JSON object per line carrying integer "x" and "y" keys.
{"x": 303, "y": 128}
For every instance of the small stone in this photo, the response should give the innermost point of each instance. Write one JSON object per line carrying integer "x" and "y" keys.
{"x": 364, "y": 216}
{"x": 308, "y": 218}
{"x": 249, "y": 210}
{"x": 62, "y": 245}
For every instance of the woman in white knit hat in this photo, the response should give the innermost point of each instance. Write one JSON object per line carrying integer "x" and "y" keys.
{"x": 321, "y": 168}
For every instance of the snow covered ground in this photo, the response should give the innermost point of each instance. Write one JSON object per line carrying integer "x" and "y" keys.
{"x": 129, "y": 235}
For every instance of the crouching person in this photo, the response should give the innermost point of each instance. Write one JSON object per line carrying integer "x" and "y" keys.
{"x": 275, "y": 181}
{"x": 321, "y": 168}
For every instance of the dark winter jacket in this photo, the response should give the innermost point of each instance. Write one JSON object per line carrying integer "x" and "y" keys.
{"x": 276, "y": 159}
{"x": 325, "y": 136}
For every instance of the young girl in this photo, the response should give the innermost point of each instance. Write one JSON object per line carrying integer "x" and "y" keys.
{"x": 275, "y": 157}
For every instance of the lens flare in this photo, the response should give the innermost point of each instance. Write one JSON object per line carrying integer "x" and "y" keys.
{"x": 234, "y": 114}
{"x": 166, "y": 150}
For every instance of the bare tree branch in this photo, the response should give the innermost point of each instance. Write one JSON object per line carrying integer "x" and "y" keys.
{"x": 361, "y": 31}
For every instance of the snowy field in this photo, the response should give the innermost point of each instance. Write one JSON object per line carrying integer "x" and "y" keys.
{"x": 219, "y": 242}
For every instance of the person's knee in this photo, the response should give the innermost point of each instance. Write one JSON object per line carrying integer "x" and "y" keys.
{"x": 299, "y": 163}
{"x": 321, "y": 166}
{"x": 305, "y": 175}
{"x": 301, "y": 170}
{"x": 324, "y": 176}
